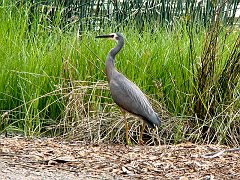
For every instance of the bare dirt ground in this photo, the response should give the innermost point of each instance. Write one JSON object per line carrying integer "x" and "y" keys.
{"x": 21, "y": 158}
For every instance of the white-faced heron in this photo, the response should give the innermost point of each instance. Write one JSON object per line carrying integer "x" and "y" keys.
{"x": 125, "y": 93}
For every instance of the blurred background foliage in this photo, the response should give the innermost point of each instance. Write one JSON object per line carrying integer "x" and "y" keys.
{"x": 96, "y": 14}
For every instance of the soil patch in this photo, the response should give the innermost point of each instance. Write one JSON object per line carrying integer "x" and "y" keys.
{"x": 22, "y": 158}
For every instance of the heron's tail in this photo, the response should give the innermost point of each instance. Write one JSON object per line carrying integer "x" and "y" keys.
{"x": 152, "y": 120}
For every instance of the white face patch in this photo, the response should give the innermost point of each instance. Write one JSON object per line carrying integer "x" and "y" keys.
{"x": 114, "y": 36}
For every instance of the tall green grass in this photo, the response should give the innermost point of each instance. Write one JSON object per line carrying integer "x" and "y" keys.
{"x": 52, "y": 81}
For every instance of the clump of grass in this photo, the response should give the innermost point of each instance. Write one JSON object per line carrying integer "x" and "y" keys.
{"x": 216, "y": 81}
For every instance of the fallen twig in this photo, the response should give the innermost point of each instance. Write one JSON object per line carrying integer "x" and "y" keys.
{"x": 217, "y": 154}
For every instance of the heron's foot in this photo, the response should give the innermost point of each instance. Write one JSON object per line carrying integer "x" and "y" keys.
{"x": 141, "y": 142}
{"x": 129, "y": 142}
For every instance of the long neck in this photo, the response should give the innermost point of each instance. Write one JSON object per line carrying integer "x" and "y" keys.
{"x": 110, "y": 68}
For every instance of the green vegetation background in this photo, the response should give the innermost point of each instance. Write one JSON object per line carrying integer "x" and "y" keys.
{"x": 52, "y": 79}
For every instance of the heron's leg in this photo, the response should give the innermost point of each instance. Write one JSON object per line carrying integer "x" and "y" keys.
{"x": 141, "y": 134}
{"x": 126, "y": 126}
{"x": 126, "y": 129}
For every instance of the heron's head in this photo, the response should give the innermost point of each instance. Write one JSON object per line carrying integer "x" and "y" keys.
{"x": 113, "y": 36}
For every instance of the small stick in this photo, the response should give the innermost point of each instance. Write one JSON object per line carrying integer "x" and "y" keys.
{"x": 216, "y": 154}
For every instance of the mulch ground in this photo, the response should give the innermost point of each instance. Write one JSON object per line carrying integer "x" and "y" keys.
{"x": 55, "y": 159}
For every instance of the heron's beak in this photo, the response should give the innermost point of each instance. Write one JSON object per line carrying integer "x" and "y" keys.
{"x": 105, "y": 36}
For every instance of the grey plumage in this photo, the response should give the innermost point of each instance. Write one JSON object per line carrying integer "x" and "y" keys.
{"x": 125, "y": 93}
{"x": 129, "y": 97}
